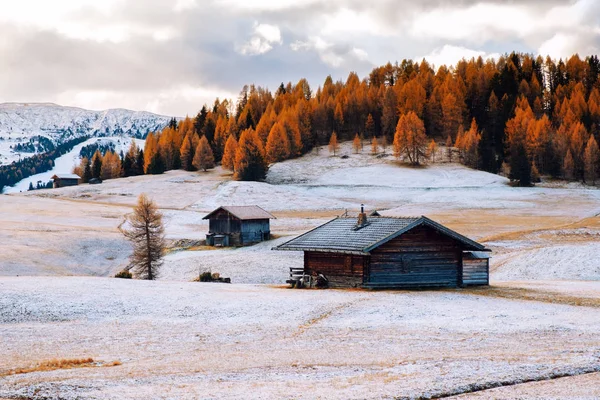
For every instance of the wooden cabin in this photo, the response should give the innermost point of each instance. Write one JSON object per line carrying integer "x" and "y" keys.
{"x": 238, "y": 226}
{"x": 63, "y": 180}
{"x": 384, "y": 252}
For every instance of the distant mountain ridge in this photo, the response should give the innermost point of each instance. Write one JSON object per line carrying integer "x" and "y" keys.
{"x": 23, "y": 123}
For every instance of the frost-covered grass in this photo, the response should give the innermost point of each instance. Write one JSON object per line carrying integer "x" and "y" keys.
{"x": 210, "y": 340}
{"x": 536, "y": 233}
{"x": 256, "y": 339}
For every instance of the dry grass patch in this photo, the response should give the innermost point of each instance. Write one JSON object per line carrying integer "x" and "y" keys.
{"x": 64, "y": 363}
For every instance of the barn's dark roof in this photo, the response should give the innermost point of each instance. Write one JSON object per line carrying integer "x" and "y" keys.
{"x": 244, "y": 212}
{"x": 66, "y": 176}
{"x": 341, "y": 235}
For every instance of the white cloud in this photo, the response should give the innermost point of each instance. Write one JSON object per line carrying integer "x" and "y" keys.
{"x": 182, "y": 5}
{"x": 564, "y": 45}
{"x": 178, "y": 100}
{"x": 268, "y": 32}
{"x": 330, "y": 53}
{"x": 450, "y": 55}
{"x": 360, "y": 54}
{"x": 265, "y": 36}
{"x": 482, "y": 22}
{"x": 263, "y": 5}
{"x": 346, "y": 20}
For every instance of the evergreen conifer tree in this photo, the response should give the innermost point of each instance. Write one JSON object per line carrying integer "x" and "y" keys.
{"x": 250, "y": 163}
{"x": 97, "y": 165}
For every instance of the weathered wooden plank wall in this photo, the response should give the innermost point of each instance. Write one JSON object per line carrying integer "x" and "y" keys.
{"x": 342, "y": 270}
{"x": 255, "y": 230}
{"x": 419, "y": 258}
{"x": 476, "y": 271}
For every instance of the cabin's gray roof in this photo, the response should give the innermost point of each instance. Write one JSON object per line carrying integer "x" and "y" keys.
{"x": 66, "y": 176}
{"x": 244, "y": 212}
{"x": 340, "y": 235}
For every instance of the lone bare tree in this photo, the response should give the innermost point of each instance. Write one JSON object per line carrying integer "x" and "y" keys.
{"x": 147, "y": 234}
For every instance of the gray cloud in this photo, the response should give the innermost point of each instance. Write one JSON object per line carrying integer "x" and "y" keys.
{"x": 160, "y": 55}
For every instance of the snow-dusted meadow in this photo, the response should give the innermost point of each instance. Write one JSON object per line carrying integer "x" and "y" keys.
{"x": 257, "y": 339}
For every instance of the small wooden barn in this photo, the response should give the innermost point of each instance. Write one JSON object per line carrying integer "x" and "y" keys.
{"x": 238, "y": 226}
{"x": 384, "y": 252}
{"x": 63, "y": 180}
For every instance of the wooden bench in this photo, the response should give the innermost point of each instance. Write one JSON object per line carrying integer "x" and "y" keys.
{"x": 299, "y": 279}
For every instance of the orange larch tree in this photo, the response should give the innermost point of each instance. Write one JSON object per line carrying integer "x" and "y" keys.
{"x": 356, "y": 144}
{"x": 203, "y": 157}
{"x": 228, "y": 160}
{"x": 278, "y": 145}
{"x": 250, "y": 162}
{"x": 334, "y": 146}
{"x": 410, "y": 139}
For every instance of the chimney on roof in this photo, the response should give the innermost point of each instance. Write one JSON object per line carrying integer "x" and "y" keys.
{"x": 362, "y": 218}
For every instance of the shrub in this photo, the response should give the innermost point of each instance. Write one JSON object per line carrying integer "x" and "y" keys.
{"x": 123, "y": 274}
{"x": 206, "y": 277}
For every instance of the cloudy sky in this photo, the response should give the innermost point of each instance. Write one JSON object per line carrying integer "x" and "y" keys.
{"x": 171, "y": 56}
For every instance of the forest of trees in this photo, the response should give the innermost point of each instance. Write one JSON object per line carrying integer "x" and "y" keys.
{"x": 524, "y": 115}
{"x": 14, "y": 172}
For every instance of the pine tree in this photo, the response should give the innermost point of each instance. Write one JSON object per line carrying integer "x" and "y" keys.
{"x": 370, "y": 126}
{"x": 356, "y": 144}
{"x": 157, "y": 165}
{"x": 468, "y": 144}
{"x": 449, "y": 146}
{"x": 203, "y": 156}
{"x": 111, "y": 166}
{"x": 30, "y": 186}
{"x": 147, "y": 237}
{"x": 334, "y": 146}
{"x": 384, "y": 144}
{"x": 228, "y": 161}
{"x": 410, "y": 139}
{"x": 97, "y": 165}
{"x": 250, "y": 162}
{"x": 187, "y": 154}
{"x": 431, "y": 150}
{"x": 535, "y": 174}
{"x": 520, "y": 167}
{"x": 374, "y": 146}
{"x": 139, "y": 163}
{"x": 592, "y": 160}
{"x": 568, "y": 167}
{"x": 87, "y": 170}
{"x": 150, "y": 149}
{"x": 451, "y": 111}
{"x": 278, "y": 145}
{"x": 338, "y": 117}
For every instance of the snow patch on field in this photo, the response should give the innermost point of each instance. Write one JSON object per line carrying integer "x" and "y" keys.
{"x": 254, "y": 264}
{"x": 190, "y": 340}
{"x": 564, "y": 262}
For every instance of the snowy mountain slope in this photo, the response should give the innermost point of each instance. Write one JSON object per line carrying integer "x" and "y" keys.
{"x": 22, "y": 123}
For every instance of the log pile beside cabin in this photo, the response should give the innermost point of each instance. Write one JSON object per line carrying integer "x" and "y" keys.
{"x": 384, "y": 252}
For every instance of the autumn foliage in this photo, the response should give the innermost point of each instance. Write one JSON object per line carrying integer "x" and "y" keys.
{"x": 519, "y": 111}
{"x": 410, "y": 140}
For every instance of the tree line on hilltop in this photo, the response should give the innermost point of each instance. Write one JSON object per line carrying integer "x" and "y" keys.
{"x": 522, "y": 114}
